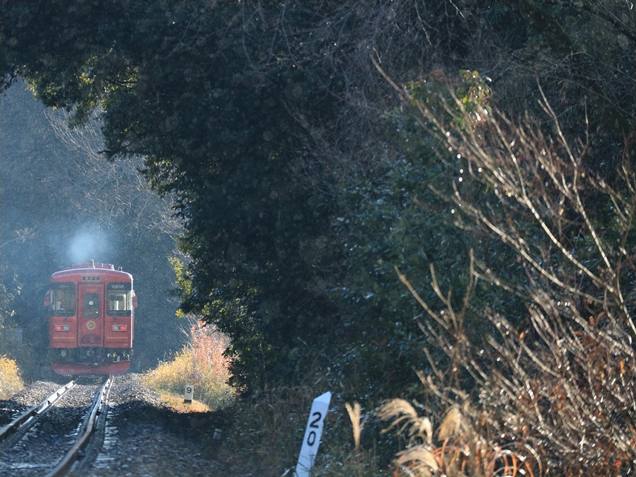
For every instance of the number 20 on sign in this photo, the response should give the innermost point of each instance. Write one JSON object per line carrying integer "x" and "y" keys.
{"x": 313, "y": 432}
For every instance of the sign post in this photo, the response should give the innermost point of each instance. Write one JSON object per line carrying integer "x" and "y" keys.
{"x": 189, "y": 392}
{"x": 313, "y": 432}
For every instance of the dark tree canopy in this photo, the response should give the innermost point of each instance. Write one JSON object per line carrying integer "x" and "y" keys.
{"x": 268, "y": 122}
{"x": 178, "y": 86}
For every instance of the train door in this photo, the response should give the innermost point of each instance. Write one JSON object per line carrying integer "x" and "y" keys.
{"x": 91, "y": 314}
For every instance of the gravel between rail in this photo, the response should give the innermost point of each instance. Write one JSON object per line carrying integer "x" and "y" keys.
{"x": 143, "y": 437}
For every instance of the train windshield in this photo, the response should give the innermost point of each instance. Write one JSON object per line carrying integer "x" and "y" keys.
{"x": 62, "y": 299}
{"x": 119, "y": 299}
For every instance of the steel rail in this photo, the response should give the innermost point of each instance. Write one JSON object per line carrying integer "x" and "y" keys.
{"x": 24, "y": 421}
{"x": 76, "y": 452}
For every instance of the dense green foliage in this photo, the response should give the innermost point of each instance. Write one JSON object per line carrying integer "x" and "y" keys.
{"x": 296, "y": 172}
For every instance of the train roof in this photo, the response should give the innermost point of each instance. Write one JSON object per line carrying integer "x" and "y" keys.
{"x": 102, "y": 269}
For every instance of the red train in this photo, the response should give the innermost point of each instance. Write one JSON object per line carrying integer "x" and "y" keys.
{"x": 91, "y": 320}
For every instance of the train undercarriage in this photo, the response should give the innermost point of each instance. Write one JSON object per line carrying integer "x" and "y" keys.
{"x": 90, "y": 361}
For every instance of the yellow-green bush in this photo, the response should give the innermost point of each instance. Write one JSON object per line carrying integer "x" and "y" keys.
{"x": 200, "y": 363}
{"x": 10, "y": 382}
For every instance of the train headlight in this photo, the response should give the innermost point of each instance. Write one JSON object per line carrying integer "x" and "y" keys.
{"x": 120, "y": 327}
{"x": 62, "y": 328}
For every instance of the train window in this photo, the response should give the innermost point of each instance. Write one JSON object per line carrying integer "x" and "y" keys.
{"x": 91, "y": 305}
{"x": 62, "y": 299}
{"x": 119, "y": 299}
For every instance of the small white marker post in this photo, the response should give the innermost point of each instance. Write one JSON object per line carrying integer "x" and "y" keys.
{"x": 189, "y": 392}
{"x": 313, "y": 432}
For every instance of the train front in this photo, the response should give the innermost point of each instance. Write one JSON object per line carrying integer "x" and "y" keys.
{"x": 91, "y": 320}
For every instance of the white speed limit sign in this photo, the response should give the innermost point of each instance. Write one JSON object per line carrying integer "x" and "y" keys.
{"x": 313, "y": 432}
{"x": 189, "y": 392}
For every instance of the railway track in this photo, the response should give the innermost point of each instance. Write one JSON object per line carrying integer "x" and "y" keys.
{"x": 13, "y": 431}
{"x": 56, "y": 436}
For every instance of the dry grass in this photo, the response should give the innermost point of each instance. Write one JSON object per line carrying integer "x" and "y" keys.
{"x": 268, "y": 430}
{"x": 10, "y": 381}
{"x": 177, "y": 404}
{"x": 200, "y": 364}
{"x": 459, "y": 451}
{"x": 554, "y": 392}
